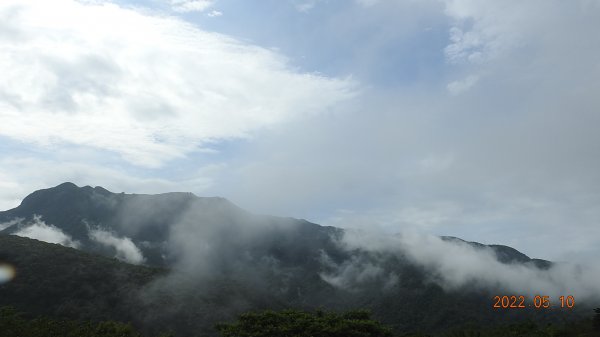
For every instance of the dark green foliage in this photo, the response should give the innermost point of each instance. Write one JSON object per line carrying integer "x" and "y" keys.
{"x": 59, "y": 282}
{"x": 291, "y": 323}
{"x": 597, "y": 319}
{"x": 56, "y": 281}
{"x": 288, "y": 323}
{"x": 294, "y": 323}
{"x": 13, "y": 324}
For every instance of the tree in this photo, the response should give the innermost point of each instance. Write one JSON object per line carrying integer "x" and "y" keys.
{"x": 294, "y": 323}
{"x": 597, "y": 319}
{"x": 12, "y": 324}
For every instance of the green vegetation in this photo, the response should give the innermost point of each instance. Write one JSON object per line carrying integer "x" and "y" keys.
{"x": 55, "y": 281}
{"x": 13, "y": 324}
{"x": 287, "y": 323}
{"x": 293, "y": 323}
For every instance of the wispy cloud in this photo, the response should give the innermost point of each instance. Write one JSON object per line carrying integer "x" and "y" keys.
{"x": 185, "y": 6}
{"x": 149, "y": 88}
{"x": 355, "y": 273}
{"x": 497, "y": 147}
{"x": 214, "y": 14}
{"x": 455, "y": 264}
{"x": 39, "y": 230}
{"x": 475, "y": 118}
{"x": 5, "y": 225}
{"x": 457, "y": 87}
{"x": 367, "y": 3}
{"x": 305, "y": 6}
{"x": 125, "y": 249}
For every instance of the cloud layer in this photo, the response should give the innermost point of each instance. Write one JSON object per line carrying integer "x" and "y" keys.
{"x": 499, "y": 147}
{"x": 455, "y": 265}
{"x": 474, "y": 119}
{"x": 150, "y": 88}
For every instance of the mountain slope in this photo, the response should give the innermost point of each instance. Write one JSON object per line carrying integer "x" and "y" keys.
{"x": 221, "y": 260}
{"x": 52, "y": 279}
{"x": 148, "y": 221}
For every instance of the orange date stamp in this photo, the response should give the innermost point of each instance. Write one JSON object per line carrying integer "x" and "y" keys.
{"x": 538, "y": 302}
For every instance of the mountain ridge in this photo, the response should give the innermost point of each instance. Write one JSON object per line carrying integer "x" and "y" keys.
{"x": 54, "y": 197}
{"x": 219, "y": 260}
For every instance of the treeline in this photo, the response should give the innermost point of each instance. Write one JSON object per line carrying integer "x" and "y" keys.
{"x": 288, "y": 323}
{"x": 293, "y": 323}
{"x": 15, "y": 324}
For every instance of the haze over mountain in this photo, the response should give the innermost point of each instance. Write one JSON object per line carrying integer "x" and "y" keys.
{"x": 475, "y": 119}
{"x": 145, "y": 228}
{"x": 221, "y": 260}
{"x": 441, "y": 152}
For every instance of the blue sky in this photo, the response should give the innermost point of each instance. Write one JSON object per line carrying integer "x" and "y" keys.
{"x": 474, "y": 119}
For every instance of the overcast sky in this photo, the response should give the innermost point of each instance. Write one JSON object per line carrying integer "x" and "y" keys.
{"x": 476, "y": 119}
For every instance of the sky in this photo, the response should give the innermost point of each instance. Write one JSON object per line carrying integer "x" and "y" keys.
{"x": 474, "y": 119}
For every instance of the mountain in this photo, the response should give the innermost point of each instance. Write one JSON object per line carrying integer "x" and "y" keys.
{"x": 148, "y": 221}
{"x": 505, "y": 254}
{"x": 204, "y": 260}
{"x": 98, "y": 220}
{"x": 52, "y": 279}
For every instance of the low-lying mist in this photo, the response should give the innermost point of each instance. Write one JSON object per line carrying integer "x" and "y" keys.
{"x": 455, "y": 264}
{"x": 216, "y": 260}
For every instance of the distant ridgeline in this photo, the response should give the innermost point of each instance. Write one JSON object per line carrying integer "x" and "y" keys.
{"x": 177, "y": 262}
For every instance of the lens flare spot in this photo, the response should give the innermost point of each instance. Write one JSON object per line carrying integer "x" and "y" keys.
{"x": 7, "y": 273}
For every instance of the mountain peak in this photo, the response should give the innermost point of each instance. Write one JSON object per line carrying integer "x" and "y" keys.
{"x": 102, "y": 190}
{"x": 69, "y": 186}
{"x": 65, "y": 185}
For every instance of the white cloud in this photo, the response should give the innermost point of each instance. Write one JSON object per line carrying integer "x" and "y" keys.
{"x": 511, "y": 159}
{"x": 367, "y": 3}
{"x": 457, "y": 264}
{"x": 458, "y": 87}
{"x": 214, "y": 14}
{"x": 39, "y": 230}
{"x": 11, "y": 193}
{"x": 355, "y": 273}
{"x": 149, "y": 88}
{"x": 185, "y": 6}
{"x": 305, "y": 5}
{"x": 125, "y": 248}
{"x": 482, "y": 31}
